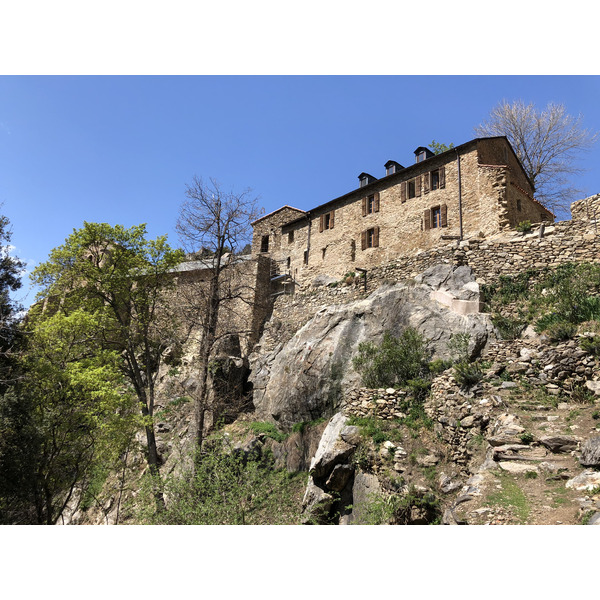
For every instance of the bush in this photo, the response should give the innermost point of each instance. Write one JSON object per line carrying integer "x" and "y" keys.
{"x": 394, "y": 362}
{"x": 225, "y": 489}
{"x": 591, "y": 344}
{"x": 561, "y": 331}
{"x": 508, "y": 327}
{"x": 524, "y": 227}
{"x": 467, "y": 374}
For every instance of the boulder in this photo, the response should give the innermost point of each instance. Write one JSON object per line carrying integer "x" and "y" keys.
{"x": 587, "y": 480}
{"x": 306, "y": 378}
{"x": 316, "y": 505}
{"x": 365, "y": 487}
{"x": 590, "y": 452}
{"x": 560, "y": 443}
{"x": 594, "y": 386}
{"x": 332, "y": 450}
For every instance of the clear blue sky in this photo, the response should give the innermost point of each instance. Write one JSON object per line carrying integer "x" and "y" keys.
{"x": 121, "y": 149}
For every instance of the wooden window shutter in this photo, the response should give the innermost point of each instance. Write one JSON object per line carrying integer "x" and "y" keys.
{"x": 426, "y": 179}
{"x": 363, "y": 240}
{"x": 403, "y": 191}
{"x": 364, "y": 207}
{"x": 376, "y": 202}
{"x": 331, "y": 219}
{"x": 444, "y": 215}
{"x": 376, "y": 237}
{"x": 418, "y": 186}
{"x": 322, "y": 218}
{"x": 442, "y": 177}
{"x": 427, "y": 219}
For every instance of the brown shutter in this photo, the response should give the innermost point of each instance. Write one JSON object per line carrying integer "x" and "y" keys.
{"x": 442, "y": 177}
{"x": 364, "y": 207}
{"x": 331, "y": 219}
{"x": 444, "y": 215}
{"x": 418, "y": 186}
{"x": 426, "y": 179}
{"x": 427, "y": 219}
{"x": 403, "y": 191}
{"x": 363, "y": 240}
{"x": 376, "y": 202}
{"x": 321, "y": 223}
{"x": 376, "y": 237}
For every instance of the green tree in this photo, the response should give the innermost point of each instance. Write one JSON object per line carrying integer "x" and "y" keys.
{"x": 121, "y": 277}
{"x": 10, "y": 281}
{"x": 438, "y": 148}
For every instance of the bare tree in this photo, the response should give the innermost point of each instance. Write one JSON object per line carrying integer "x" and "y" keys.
{"x": 214, "y": 226}
{"x": 547, "y": 143}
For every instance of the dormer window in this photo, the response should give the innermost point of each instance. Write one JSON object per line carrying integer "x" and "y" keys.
{"x": 365, "y": 179}
{"x": 422, "y": 153}
{"x": 391, "y": 167}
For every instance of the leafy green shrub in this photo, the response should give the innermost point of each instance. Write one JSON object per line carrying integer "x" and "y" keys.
{"x": 458, "y": 346}
{"x": 383, "y": 509}
{"x": 561, "y": 331}
{"x": 226, "y": 488}
{"x": 591, "y": 344}
{"x": 438, "y": 366}
{"x": 395, "y": 361}
{"x": 508, "y": 327}
{"x": 524, "y": 226}
{"x": 419, "y": 388}
{"x": 467, "y": 374}
{"x": 531, "y": 474}
{"x": 527, "y": 438}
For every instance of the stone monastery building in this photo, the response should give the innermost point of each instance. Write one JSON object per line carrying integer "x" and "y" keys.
{"x": 474, "y": 190}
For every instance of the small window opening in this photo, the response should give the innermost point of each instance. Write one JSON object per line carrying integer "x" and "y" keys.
{"x": 327, "y": 221}
{"x": 421, "y": 156}
{"x": 289, "y": 262}
{"x": 290, "y": 237}
{"x": 353, "y": 250}
{"x": 435, "y": 180}
{"x": 411, "y": 189}
{"x": 264, "y": 244}
{"x": 436, "y": 217}
{"x": 323, "y": 252}
{"x": 519, "y": 205}
{"x": 306, "y": 257}
{"x": 371, "y": 204}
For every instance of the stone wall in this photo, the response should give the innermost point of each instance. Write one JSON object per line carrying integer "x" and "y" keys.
{"x": 505, "y": 254}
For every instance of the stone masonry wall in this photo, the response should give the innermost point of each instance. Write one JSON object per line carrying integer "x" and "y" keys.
{"x": 505, "y": 254}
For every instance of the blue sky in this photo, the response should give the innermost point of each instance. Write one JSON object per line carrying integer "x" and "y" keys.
{"x": 120, "y": 149}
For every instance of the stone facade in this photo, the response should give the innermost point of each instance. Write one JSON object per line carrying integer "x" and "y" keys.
{"x": 413, "y": 209}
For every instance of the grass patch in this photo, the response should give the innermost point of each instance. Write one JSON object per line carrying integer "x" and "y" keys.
{"x": 267, "y": 429}
{"x": 511, "y": 497}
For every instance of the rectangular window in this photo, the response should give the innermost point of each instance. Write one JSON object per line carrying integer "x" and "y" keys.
{"x": 290, "y": 237}
{"x": 306, "y": 257}
{"x": 436, "y": 216}
{"x": 289, "y": 262}
{"x": 370, "y": 204}
{"x": 519, "y": 206}
{"x": 435, "y": 180}
{"x": 370, "y": 238}
{"x": 411, "y": 189}
{"x": 326, "y": 221}
{"x": 264, "y": 243}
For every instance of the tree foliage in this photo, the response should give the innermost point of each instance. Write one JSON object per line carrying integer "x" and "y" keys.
{"x": 438, "y": 148}
{"x": 548, "y": 144}
{"x": 119, "y": 278}
{"x": 69, "y": 414}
